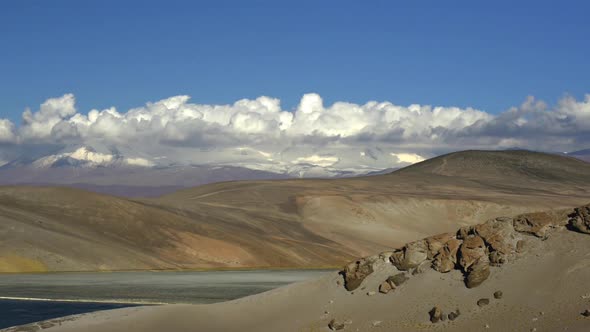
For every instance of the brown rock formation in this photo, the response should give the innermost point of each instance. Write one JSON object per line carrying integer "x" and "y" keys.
{"x": 477, "y": 273}
{"x": 410, "y": 256}
{"x": 435, "y": 314}
{"x": 472, "y": 250}
{"x": 446, "y": 259}
{"x": 355, "y": 272}
{"x": 580, "y": 219}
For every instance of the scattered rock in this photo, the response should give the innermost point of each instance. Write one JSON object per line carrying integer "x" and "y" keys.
{"x": 386, "y": 287}
{"x": 334, "y": 326}
{"x": 454, "y": 315}
{"x": 498, "y": 294}
{"x": 398, "y": 279}
{"x": 355, "y": 272}
{"x": 410, "y": 256}
{"x": 483, "y": 302}
{"x": 376, "y": 323}
{"x": 487, "y": 326}
{"x": 580, "y": 219}
{"x": 338, "y": 282}
{"x": 435, "y": 314}
{"x": 371, "y": 293}
{"x": 586, "y": 313}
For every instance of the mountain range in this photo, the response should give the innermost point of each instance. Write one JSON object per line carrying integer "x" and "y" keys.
{"x": 279, "y": 223}
{"x": 122, "y": 171}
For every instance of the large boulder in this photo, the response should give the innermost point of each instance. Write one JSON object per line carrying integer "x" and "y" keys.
{"x": 472, "y": 250}
{"x": 436, "y": 242}
{"x": 499, "y": 234}
{"x": 446, "y": 258}
{"x": 398, "y": 279}
{"x": 477, "y": 273}
{"x": 410, "y": 256}
{"x": 355, "y": 272}
{"x": 540, "y": 223}
{"x": 580, "y": 219}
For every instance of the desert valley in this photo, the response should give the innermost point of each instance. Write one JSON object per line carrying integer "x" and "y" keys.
{"x": 509, "y": 214}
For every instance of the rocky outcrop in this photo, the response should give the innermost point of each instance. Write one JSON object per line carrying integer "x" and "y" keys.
{"x": 580, "y": 219}
{"x": 410, "y": 256}
{"x": 436, "y": 243}
{"x": 538, "y": 224}
{"x": 446, "y": 258}
{"x": 472, "y": 249}
{"x": 355, "y": 272}
{"x": 499, "y": 235}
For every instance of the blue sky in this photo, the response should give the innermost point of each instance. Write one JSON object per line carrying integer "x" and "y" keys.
{"x": 124, "y": 53}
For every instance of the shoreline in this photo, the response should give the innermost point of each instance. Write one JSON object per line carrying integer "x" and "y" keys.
{"x": 39, "y": 299}
{"x": 220, "y": 269}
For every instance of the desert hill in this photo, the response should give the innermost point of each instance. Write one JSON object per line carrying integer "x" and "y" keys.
{"x": 437, "y": 283}
{"x": 279, "y": 223}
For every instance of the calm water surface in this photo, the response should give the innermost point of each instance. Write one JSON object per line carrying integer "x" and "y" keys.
{"x": 100, "y": 291}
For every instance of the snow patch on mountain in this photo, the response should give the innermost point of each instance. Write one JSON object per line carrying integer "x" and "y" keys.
{"x": 88, "y": 157}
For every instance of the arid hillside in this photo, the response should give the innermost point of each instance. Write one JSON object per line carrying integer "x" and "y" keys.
{"x": 525, "y": 273}
{"x": 279, "y": 223}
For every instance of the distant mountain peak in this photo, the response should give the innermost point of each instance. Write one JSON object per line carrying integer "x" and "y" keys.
{"x": 87, "y": 156}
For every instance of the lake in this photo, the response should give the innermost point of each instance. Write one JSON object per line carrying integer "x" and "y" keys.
{"x": 26, "y": 298}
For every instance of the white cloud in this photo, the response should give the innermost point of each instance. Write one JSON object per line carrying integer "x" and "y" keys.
{"x": 316, "y": 160}
{"x": 40, "y": 125}
{"x": 6, "y": 131}
{"x": 343, "y": 135}
{"x": 410, "y": 158}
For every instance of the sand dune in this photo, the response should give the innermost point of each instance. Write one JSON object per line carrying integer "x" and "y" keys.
{"x": 282, "y": 223}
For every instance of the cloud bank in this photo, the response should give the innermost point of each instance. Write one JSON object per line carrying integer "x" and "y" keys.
{"x": 260, "y": 134}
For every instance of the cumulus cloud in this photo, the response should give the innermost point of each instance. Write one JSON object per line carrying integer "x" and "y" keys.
{"x": 6, "y": 131}
{"x": 259, "y": 133}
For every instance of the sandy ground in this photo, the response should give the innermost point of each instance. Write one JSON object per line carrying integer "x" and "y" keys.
{"x": 545, "y": 288}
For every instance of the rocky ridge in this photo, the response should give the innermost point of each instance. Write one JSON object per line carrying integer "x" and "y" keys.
{"x": 473, "y": 250}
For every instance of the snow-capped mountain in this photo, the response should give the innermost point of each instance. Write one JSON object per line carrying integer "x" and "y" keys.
{"x": 88, "y": 157}
{"x": 122, "y": 170}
